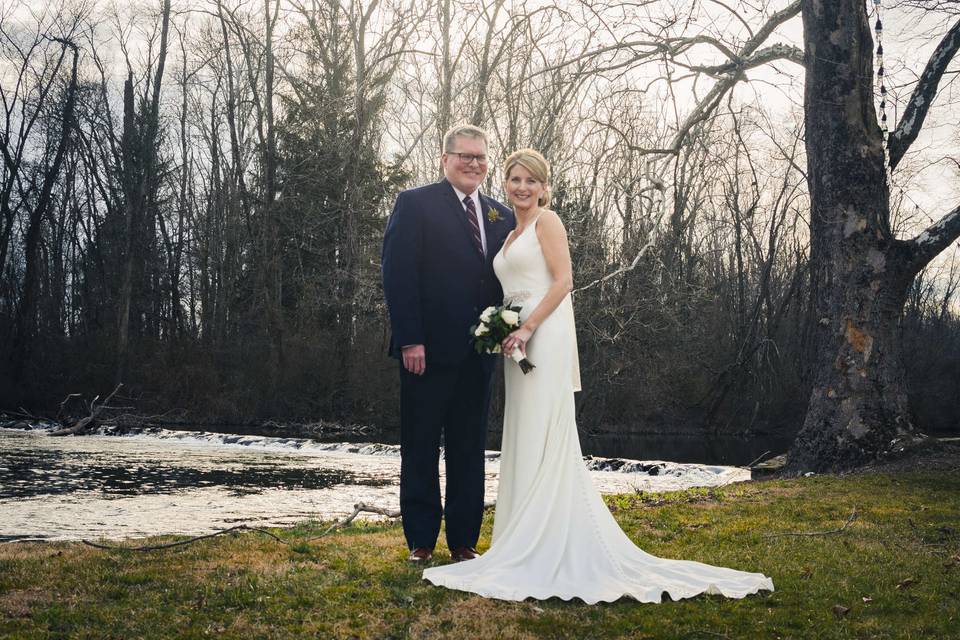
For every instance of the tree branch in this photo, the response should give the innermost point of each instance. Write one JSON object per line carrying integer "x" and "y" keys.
{"x": 934, "y": 239}
{"x": 729, "y": 74}
{"x": 764, "y": 56}
{"x": 87, "y": 422}
{"x": 768, "y": 28}
{"x": 675, "y": 46}
{"x": 916, "y": 111}
{"x": 180, "y": 543}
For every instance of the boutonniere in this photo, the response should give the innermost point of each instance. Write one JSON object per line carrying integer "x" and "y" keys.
{"x": 493, "y": 215}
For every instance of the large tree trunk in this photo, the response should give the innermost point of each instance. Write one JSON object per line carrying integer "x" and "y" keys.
{"x": 858, "y": 407}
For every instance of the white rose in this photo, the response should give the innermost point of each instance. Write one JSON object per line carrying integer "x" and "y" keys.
{"x": 485, "y": 316}
{"x": 512, "y": 318}
{"x": 482, "y": 329}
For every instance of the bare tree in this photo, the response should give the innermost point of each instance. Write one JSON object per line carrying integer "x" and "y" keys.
{"x": 139, "y": 151}
{"x": 26, "y": 324}
{"x": 861, "y": 272}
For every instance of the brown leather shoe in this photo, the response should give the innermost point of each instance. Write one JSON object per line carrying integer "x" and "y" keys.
{"x": 463, "y": 553}
{"x": 421, "y": 555}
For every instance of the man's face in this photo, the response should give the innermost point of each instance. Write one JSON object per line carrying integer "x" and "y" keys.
{"x": 466, "y": 175}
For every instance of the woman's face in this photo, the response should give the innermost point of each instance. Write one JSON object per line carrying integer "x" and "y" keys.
{"x": 523, "y": 189}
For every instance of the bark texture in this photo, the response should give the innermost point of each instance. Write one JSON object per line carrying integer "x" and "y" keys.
{"x": 858, "y": 409}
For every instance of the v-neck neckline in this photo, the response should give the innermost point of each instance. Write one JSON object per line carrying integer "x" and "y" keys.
{"x": 507, "y": 245}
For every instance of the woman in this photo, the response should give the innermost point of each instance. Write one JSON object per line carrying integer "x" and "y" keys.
{"x": 552, "y": 534}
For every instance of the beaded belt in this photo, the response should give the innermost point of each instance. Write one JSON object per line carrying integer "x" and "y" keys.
{"x": 521, "y": 294}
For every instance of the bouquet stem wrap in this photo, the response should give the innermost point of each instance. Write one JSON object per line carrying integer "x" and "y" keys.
{"x": 525, "y": 365}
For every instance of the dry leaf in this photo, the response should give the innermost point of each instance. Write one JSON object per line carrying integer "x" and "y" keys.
{"x": 806, "y": 573}
{"x": 903, "y": 584}
{"x": 840, "y": 610}
{"x": 867, "y": 599}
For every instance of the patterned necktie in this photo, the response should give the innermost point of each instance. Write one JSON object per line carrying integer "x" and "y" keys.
{"x": 474, "y": 225}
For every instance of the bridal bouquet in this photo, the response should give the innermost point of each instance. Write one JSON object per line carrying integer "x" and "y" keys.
{"x": 495, "y": 324}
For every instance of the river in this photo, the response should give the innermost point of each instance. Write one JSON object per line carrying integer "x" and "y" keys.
{"x": 193, "y": 482}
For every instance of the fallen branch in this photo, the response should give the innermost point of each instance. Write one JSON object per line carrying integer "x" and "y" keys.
{"x": 240, "y": 527}
{"x": 85, "y": 423}
{"x": 65, "y": 401}
{"x": 758, "y": 459}
{"x": 853, "y": 516}
{"x": 361, "y": 507}
{"x": 26, "y": 414}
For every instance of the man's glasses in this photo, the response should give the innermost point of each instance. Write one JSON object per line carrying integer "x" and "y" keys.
{"x": 468, "y": 158}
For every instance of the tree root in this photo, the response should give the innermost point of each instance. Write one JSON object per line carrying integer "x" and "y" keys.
{"x": 239, "y": 527}
{"x": 358, "y": 508}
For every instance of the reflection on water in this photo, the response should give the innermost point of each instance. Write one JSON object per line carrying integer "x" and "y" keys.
{"x": 27, "y": 473}
{"x": 193, "y": 482}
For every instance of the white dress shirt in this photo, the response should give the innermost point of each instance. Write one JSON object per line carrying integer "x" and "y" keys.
{"x": 476, "y": 201}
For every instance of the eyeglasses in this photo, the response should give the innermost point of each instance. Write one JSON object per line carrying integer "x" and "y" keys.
{"x": 468, "y": 158}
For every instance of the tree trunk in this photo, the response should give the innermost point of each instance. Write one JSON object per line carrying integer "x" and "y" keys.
{"x": 140, "y": 183}
{"x": 272, "y": 263}
{"x": 445, "y": 106}
{"x": 858, "y": 408}
{"x": 130, "y": 198}
{"x": 26, "y": 322}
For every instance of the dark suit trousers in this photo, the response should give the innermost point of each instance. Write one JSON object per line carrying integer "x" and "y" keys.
{"x": 452, "y": 401}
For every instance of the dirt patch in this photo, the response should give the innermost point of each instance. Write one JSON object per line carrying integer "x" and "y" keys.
{"x": 930, "y": 454}
{"x": 20, "y": 603}
{"x": 474, "y": 617}
{"x": 267, "y": 565}
{"x": 933, "y": 454}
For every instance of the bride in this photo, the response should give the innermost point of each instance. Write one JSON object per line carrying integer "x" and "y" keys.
{"x": 552, "y": 534}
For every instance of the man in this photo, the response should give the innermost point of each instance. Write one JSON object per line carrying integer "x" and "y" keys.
{"x": 438, "y": 277}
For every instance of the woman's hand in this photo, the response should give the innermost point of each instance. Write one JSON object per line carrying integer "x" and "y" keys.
{"x": 518, "y": 339}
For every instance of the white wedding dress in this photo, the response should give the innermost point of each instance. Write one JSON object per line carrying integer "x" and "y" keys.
{"x": 552, "y": 534}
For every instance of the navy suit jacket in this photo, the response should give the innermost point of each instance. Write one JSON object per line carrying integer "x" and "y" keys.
{"x": 435, "y": 281}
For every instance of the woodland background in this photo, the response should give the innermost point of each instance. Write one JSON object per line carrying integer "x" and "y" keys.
{"x": 193, "y": 197}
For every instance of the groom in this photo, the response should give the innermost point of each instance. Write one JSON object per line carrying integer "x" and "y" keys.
{"x": 438, "y": 277}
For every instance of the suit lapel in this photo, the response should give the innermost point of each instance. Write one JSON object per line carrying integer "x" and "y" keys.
{"x": 495, "y": 231}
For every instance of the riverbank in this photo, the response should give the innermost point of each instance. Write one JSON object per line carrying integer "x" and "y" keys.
{"x": 677, "y": 443}
{"x": 892, "y": 572}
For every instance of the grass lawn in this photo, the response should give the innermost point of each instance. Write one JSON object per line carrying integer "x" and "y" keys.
{"x": 894, "y": 572}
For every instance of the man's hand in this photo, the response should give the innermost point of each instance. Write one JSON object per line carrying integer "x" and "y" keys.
{"x": 414, "y": 359}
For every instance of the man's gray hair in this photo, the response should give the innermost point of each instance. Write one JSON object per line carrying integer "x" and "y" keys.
{"x": 462, "y": 131}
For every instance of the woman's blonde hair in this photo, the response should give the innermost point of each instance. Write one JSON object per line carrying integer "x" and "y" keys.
{"x": 536, "y": 164}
